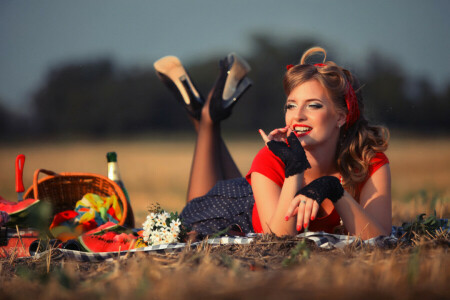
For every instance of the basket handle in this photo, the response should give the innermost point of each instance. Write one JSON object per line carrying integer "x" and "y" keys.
{"x": 36, "y": 180}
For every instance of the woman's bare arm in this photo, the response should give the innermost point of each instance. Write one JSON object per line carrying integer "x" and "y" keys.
{"x": 273, "y": 201}
{"x": 373, "y": 215}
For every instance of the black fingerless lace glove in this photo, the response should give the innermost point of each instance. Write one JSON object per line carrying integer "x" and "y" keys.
{"x": 292, "y": 155}
{"x": 322, "y": 188}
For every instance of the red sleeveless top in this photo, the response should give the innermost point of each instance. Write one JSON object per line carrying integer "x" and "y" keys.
{"x": 269, "y": 165}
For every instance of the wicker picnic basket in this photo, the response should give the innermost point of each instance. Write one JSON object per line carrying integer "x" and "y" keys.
{"x": 63, "y": 190}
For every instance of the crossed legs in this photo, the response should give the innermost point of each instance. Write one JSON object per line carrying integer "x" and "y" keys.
{"x": 211, "y": 161}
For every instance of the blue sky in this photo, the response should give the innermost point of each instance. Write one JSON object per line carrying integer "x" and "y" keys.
{"x": 35, "y": 35}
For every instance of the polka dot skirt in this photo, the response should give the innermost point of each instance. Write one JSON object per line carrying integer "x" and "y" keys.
{"x": 229, "y": 202}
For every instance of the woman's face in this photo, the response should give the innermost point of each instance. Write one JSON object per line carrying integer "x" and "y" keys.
{"x": 312, "y": 115}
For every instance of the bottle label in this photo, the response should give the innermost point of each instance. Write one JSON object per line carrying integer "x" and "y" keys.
{"x": 113, "y": 171}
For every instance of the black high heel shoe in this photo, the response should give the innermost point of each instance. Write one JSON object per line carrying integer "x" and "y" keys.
{"x": 229, "y": 87}
{"x": 174, "y": 76}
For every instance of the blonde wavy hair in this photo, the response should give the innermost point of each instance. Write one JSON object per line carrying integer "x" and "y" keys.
{"x": 358, "y": 143}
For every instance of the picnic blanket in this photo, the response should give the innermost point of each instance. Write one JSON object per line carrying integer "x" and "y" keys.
{"x": 321, "y": 239}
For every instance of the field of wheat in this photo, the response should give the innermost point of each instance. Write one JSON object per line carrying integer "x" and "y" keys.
{"x": 156, "y": 169}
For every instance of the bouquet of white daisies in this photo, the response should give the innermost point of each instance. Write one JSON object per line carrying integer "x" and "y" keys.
{"x": 162, "y": 227}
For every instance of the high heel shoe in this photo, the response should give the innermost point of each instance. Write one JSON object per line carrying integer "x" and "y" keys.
{"x": 230, "y": 86}
{"x": 174, "y": 76}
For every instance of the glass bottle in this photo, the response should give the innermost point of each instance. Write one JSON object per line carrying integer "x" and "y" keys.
{"x": 114, "y": 175}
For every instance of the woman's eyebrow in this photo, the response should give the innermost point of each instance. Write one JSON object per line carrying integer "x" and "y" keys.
{"x": 313, "y": 99}
{"x": 306, "y": 100}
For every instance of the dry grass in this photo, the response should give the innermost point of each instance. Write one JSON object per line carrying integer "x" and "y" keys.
{"x": 242, "y": 272}
{"x": 158, "y": 170}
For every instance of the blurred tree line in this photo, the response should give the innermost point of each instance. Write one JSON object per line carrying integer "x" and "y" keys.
{"x": 99, "y": 99}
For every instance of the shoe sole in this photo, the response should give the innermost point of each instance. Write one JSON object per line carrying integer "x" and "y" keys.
{"x": 236, "y": 74}
{"x": 171, "y": 67}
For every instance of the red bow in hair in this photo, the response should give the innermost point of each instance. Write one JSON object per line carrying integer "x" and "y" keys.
{"x": 352, "y": 106}
{"x": 288, "y": 67}
{"x": 352, "y": 103}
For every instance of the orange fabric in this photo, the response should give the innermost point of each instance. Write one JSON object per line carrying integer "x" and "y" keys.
{"x": 269, "y": 165}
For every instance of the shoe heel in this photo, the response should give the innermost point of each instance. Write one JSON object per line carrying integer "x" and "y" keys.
{"x": 229, "y": 87}
{"x": 238, "y": 71}
{"x": 174, "y": 76}
{"x": 243, "y": 85}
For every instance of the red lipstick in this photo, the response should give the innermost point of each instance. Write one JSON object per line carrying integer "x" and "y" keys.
{"x": 305, "y": 130}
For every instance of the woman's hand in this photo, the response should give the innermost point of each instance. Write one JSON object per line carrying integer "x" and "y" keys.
{"x": 278, "y": 135}
{"x": 292, "y": 154}
{"x": 307, "y": 201}
{"x": 306, "y": 210}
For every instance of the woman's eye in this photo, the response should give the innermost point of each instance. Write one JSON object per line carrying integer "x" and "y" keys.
{"x": 289, "y": 106}
{"x": 315, "y": 105}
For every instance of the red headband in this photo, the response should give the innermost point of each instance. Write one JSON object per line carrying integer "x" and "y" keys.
{"x": 350, "y": 99}
{"x": 352, "y": 106}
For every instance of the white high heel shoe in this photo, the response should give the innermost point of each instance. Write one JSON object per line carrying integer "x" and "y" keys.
{"x": 174, "y": 76}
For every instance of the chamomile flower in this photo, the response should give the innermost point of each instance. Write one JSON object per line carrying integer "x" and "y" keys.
{"x": 175, "y": 223}
{"x": 160, "y": 227}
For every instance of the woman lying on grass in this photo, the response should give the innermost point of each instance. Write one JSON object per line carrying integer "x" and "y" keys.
{"x": 325, "y": 165}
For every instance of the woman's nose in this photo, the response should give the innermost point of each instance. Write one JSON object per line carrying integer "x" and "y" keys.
{"x": 300, "y": 114}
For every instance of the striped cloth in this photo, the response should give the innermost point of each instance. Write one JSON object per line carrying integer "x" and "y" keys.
{"x": 321, "y": 239}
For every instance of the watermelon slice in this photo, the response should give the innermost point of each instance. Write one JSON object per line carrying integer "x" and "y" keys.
{"x": 18, "y": 211}
{"x": 105, "y": 227}
{"x": 109, "y": 237}
{"x": 13, "y": 208}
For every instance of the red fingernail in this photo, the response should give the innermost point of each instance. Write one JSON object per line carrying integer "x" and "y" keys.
{"x": 286, "y": 218}
{"x": 299, "y": 227}
{"x": 305, "y": 225}
{"x": 312, "y": 218}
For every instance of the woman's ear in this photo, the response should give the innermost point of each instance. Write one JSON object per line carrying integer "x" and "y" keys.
{"x": 342, "y": 118}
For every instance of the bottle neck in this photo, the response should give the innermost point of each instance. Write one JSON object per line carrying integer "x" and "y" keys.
{"x": 113, "y": 171}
